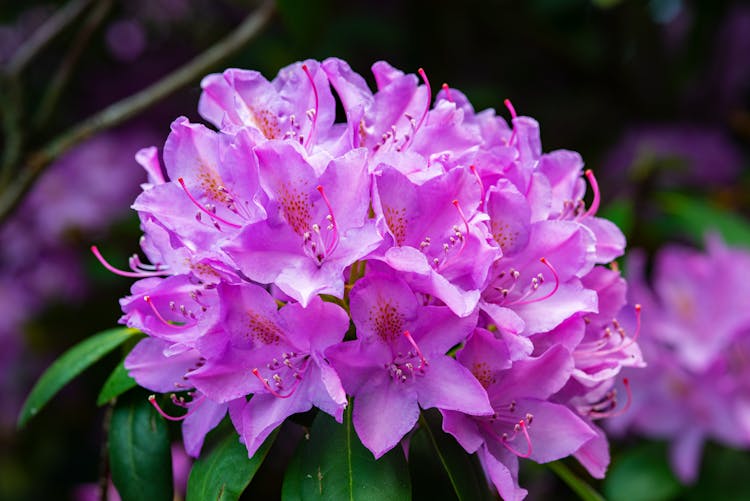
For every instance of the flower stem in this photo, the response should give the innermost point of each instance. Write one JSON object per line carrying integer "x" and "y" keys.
{"x": 37, "y": 161}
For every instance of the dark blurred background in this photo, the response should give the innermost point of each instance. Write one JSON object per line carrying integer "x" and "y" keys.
{"x": 654, "y": 94}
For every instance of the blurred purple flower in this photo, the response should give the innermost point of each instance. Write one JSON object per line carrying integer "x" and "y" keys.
{"x": 686, "y": 154}
{"x": 696, "y": 342}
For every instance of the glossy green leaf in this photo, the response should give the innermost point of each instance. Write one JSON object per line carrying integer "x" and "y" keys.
{"x": 641, "y": 473}
{"x": 69, "y": 365}
{"x": 116, "y": 384}
{"x": 697, "y": 217}
{"x": 440, "y": 468}
{"x": 225, "y": 472}
{"x": 333, "y": 464}
{"x": 139, "y": 451}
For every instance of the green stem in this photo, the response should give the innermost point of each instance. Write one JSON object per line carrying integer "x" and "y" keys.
{"x": 60, "y": 80}
{"x": 122, "y": 110}
{"x": 44, "y": 35}
{"x": 584, "y": 490}
{"x": 11, "y": 98}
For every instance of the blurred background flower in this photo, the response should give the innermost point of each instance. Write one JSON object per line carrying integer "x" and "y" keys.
{"x": 654, "y": 94}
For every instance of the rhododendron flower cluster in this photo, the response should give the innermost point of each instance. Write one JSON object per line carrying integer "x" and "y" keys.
{"x": 696, "y": 340}
{"x": 410, "y": 255}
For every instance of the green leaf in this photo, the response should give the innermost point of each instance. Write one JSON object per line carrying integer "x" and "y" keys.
{"x": 139, "y": 451}
{"x": 697, "y": 217}
{"x": 69, "y": 365}
{"x": 225, "y": 472}
{"x": 440, "y": 467}
{"x": 576, "y": 484}
{"x": 333, "y": 464}
{"x": 116, "y": 384}
{"x": 641, "y": 473}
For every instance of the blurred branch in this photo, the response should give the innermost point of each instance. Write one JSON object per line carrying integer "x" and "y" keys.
{"x": 67, "y": 65}
{"x": 120, "y": 111}
{"x": 43, "y": 35}
{"x": 10, "y": 107}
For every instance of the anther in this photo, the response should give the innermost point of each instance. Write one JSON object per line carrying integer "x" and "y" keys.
{"x": 210, "y": 213}
{"x": 447, "y": 91}
{"x": 152, "y": 401}
{"x": 270, "y": 390}
{"x": 520, "y": 427}
{"x": 422, "y": 361}
{"x": 158, "y": 315}
{"x": 335, "y": 241}
{"x": 593, "y": 414}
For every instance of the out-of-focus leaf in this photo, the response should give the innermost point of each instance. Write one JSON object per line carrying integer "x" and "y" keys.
{"x": 139, "y": 451}
{"x": 621, "y": 213}
{"x": 606, "y": 4}
{"x": 577, "y": 485}
{"x": 440, "y": 468}
{"x": 116, "y": 384}
{"x": 225, "y": 472}
{"x": 641, "y": 473}
{"x": 69, "y": 365}
{"x": 696, "y": 218}
{"x": 333, "y": 464}
{"x": 723, "y": 475}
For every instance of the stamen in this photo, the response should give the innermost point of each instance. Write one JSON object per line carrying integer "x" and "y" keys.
{"x": 422, "y": 361}
{"x": 474, "y": 171}
{"x": 152, "y": 400}
{"x": 315, "y": 116}
{"x": 622, "y": 410}
{"x": 463, "y": 217}
{"x": 595, "y": 188}
{"x": 447, "y": 91}
{"x": 273, "y": 392}
{"x": 334, "y": 243}
{"x": 158, "y": 315}
{"x": 521, "y": 426}
{"x": 429, "y": 99}
{"x": 204, "y": 209}
{"x": 623, "y": 345}
{"x": 139, "y": 266}
{"x": 129, "y": 274}
{"x": 513, "y": 116}
{"x": 524, "y": 301}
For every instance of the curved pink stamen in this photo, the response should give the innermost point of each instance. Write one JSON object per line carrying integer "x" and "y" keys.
{"x": 139, "y": 266}
{"x": 152, "y": 400}
{"x": 429, "y": 100}
{"x": 549, "y": 294}
{"x": 158, "y": 315}
{"x": 513, "y": 116}
{"x": 129, "y": 274}
{"x": 505, "y": 440}
{"x": 334, "y": 243}
{"x": 622, "y": 410}
{"x": 595, "y": 188}
{"x": 474, "y": 171}
{"x": 273, "y": 392}
{"x": 447, "y": 91}
{"x": 315, "y": 95}
{"x": 623, "y": 345}
{"x": 422, "y": 360}
{"x": 463, "y": 218}
{"x": 203, "y": 208}
{"x": 510, "y": 107}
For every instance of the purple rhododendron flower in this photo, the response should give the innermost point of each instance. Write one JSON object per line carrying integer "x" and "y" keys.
{"x": 417, "y": 255}
{"x": 696, "y": 337}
